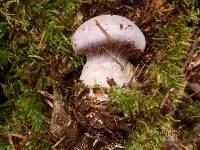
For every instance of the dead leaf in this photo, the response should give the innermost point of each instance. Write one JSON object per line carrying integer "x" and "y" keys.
{"x": 158, "y": 5}
{"x": 98, "y": 91}
{"x": 78, "y": 18}
{"x": 111, "y": 82}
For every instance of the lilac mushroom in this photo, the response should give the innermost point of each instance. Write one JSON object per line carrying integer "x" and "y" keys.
{"x": 108, "y": 41}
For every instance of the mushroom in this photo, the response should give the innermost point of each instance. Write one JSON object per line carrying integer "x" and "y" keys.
{"x": 108, "y": 42}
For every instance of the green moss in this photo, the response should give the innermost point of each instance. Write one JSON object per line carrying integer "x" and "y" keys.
{"x": 190, "y": 114}
{"x": 165, "y": 72}
{"x": 32, "y": 32}
{"x": 147, "y": 121}
{"x": 29, "y": 107}
{"x": 4, "y": 144}
{"x": 132, "y": 102}
{"x": 172, "y": 46}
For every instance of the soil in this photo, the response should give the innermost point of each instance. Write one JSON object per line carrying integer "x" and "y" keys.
{"x": 100, "y": 126}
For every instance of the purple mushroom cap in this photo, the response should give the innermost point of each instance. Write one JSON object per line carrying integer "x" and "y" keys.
{"x": 108, "y": 41}
{"x": 126, "y": 38}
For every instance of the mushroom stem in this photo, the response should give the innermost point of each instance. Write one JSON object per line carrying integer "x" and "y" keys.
{"x": 100, "y": 67}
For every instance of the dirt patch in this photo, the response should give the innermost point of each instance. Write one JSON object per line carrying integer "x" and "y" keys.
{"x": 101, "y": 127}
{"x": 86, "y": 123}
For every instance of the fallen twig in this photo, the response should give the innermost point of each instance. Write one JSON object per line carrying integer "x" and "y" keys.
{"x": 17, "y": 135}
{"x": 57, "y": 143}
{"x": 114, "y": 57}
{"x": 144, "y": 64}
{"x": 47, "y": 97}
{"x": 11, "y": 141}
{"x": 36, "y": 57}
{"x": 104, "y": 31}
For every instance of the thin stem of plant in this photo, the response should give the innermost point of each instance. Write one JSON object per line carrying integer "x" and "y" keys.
{"x": 11, "y": 141}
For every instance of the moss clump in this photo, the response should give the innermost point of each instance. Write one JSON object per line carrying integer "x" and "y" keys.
{"x": 144, "y": 112}
{"x": 167, "y": 71}
{"x": 132, "y": 102}
{"x": 189, "y": 114}
{"x": 31, "y": 34}
{"x": 4, "y": 144}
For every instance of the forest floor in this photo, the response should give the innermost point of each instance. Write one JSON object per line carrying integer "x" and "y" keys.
{"x": 45, "y": 106}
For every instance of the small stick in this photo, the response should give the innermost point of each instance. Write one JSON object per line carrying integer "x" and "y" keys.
{"x": 160, "y": 38}
{"x": 144, "y": 64}
{"x": 193, "y": 94}
{"x": 77, "y": 120}
{"x": 133, "y": 76}
{"x": 44, "y": 118}
{"x": 47, "y": 97}
{"x": 104, "y": 31}
{"x": 128, "y": 7}
{"x": 147, "y": 6}
{"x": 100, "y": 107}
{"x": 114, "y": 57}
{"x": 36, "y": 56}
{"x": 57, "y": 143}
{"x": 18, "y": 136}
{"x": 11, "y": 141}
